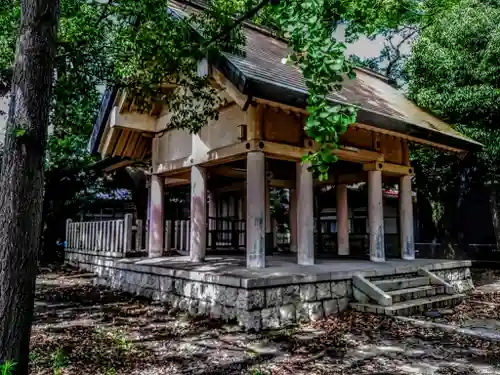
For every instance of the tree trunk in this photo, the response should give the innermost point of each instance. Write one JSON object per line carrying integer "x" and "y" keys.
{"x": 495, "y": 214}
{"x": 21, "y": 177}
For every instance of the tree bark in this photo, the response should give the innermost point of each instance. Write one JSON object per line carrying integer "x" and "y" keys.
{"x": 21, "y": 176}
{"x": 495, "y": 213}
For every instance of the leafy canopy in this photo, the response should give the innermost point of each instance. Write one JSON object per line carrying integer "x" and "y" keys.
{"x": 454, "y": 72}
{"x": 135, "y": 44}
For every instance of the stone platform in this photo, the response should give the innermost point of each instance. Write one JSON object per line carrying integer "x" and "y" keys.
{"x": 279, "y": 295}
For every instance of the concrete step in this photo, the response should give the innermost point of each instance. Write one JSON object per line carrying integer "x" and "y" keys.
{"x": 415, "y": 306}
{"x": 404, "y": 283}
{"x": 409, "y": 294}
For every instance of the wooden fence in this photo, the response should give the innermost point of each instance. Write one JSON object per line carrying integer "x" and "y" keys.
{"x": 113, "y": 237}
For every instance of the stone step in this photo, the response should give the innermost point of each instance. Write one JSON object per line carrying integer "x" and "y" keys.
{"x": 416, "y": 306}
{"x": 405, "y": 283}
{"x": 409, "y": 294}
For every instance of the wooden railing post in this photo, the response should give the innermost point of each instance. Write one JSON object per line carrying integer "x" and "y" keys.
{"x": 127, "y": 235}
{"x": 68, "y": 232}
{"x": 168, "y": 235}
{"x": 138, "y": 235}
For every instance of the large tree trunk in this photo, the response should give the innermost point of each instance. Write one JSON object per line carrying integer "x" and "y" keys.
{"x": 21, "y": 177}
{"x": 495, "y": 213}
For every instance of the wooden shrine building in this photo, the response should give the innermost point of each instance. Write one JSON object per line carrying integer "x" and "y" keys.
{"x": 256, "y": 144}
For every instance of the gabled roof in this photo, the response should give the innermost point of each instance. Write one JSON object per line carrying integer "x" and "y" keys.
{"x": 259, "y": 72}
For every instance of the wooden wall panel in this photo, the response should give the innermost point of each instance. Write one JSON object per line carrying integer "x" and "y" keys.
{"x": 357, "y": 138}
{"x": 391, "y": 148}
{"x": 282, "y": 127}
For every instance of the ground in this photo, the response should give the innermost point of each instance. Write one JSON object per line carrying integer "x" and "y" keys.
{"x": 83, "y": 329}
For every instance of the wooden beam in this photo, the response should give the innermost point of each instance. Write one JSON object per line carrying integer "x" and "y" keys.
{"x": 233, "y": 152}
{"x": 110, "y": 141}
{"x": 227, "y": 171}
{"x": 237, "y": 186}
{"x": 389, "y": 168}
{"x": 131, "y": 120}
{"x": 408, "y": 137}
{"x": 284, "y": 107}
{"x": 282, "y": 151}
{"x": 232, "y": 90}
{"x": 255, "y": 122}
{"x": 122, "y": 143}
{"x": 129, "y": 149}
{"x": 120, "y": 164}
{"x": 405, "y": 153}
{"x": 121, "y": 99}
{"x": 171, "y": 182}
{"x": 177, "y": 165}
{"x": 283, "y": 184}
{"x": 358, "y": 155}
{"x": 295, "y": 153}
{"x": 348, "y": 179}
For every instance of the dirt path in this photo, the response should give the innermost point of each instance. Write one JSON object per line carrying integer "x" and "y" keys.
{"x": 95, "y": 331}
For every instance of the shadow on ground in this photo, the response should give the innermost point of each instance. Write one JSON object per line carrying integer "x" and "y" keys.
{"x": 104, "y": 332}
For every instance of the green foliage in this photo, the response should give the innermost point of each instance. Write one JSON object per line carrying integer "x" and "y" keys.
{"x": 7, "y": 368}
{"x": 118, "y": 339}
{"x": 60, "y": 361}
{"x": 454, "y": 72}
{"x": 309, "y": 26}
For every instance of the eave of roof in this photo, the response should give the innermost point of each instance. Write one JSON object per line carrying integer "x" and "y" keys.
{"x": 106, "y": 105}
{"x": 251, "y": 80}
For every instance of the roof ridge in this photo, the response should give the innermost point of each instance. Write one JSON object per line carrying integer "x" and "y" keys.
{"x": 201, "y": 5}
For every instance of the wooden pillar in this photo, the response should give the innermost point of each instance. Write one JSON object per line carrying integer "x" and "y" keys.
{"x": 376, "y": 216}
{"x": 198, "y": 227}
{"x": 269, "y": 222}
{"x": 293, "y": 220}
{"x": 156, "y": 225}
{"x": 407, "y": 242}
{"x": 305, "y": 216}
{"x": 342, "y": 220}
{"x": 256, "y": 197}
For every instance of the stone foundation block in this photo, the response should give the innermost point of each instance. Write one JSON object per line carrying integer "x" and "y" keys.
{"x": 250, "y": 299}
{"x": 179, "y": 287}
{"x": 216, "y": 311}
{"x": 230, "y": 297}
{"x": 166, "y": 284}
{"x": 287, "y": 315}
{"x": 343, "y": 304}
{"x": 339, "y": 289}
{"x": 330, "y": 307}
{"x": 315, "y": 311}
{"x": 203, "y": 308}
{"x": 193, "y": 307}
{"x": 308, "y": 292}
{"x": 250, "y": 320}
{"x": 291, "y": 294}
{"x": 184, "y": 303}
{"x": 208, "y": 292}
{"x": 302, "y": 313}
{"x": 270, "y": 318}
{"x": 274, "y": 297}
{"x": 219, "y": 294}
{"x": 323, "y": 291}
{"x": 229, "y": 314}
